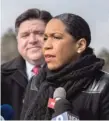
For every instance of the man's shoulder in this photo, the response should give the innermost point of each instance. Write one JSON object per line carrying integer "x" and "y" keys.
{"x": 12, "y": 64}
{"x": 8, "y": 64}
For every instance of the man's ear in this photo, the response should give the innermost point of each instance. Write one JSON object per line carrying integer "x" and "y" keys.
{"x": 81, "y": 45}
{"x": 17, "y": 38}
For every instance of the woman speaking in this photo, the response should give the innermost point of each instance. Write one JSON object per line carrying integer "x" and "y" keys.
{"x": 72, "y": 65}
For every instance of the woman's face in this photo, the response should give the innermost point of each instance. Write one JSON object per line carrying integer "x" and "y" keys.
{"x": 59, "y": 48}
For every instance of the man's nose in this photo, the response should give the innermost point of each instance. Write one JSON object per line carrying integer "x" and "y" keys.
{"x": 33, "y": 38}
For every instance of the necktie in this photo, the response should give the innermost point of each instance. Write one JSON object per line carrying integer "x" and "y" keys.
{"x": 35, "y": 70}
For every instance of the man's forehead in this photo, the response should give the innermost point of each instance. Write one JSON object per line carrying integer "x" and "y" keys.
{"x": 28, "y": 25}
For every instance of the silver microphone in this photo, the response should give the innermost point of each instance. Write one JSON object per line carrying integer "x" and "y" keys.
{"x": 59, "y": 93}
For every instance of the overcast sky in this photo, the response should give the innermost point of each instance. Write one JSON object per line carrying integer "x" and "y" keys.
{"x": 95, "y": 12}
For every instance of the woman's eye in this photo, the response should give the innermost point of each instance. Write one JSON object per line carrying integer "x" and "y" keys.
{"x": 45, "y": 38}
{"x": 57, "y": 37}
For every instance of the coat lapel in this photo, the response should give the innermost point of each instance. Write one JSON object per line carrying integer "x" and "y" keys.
{"x": 17, "y": 72}
{"x": 20, "y": 78}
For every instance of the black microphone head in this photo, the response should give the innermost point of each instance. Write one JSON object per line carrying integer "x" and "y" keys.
{"x": 7, "y": 112}
{"x": 62, "y": 106}
{"x": 59, "y": 93}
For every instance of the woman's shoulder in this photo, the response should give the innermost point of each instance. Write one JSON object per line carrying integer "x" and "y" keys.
{"x": 105, "y": 74}
{"x": 104, "y": 96}
{"x": 104, "y": 77}
{"x": 100, "y": 82}
{"x": 103, "y": 82}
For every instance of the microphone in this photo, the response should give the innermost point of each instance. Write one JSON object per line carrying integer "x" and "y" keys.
{"x": 62, "y": 107}
{"x": 59, "y": 93}
{"x": 7, "y": 112}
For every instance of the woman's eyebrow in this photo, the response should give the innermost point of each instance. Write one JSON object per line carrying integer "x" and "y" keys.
{"x": 51, "y": 34}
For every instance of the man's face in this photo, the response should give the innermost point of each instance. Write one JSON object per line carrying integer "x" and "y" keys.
{"x": 30, "y": 40}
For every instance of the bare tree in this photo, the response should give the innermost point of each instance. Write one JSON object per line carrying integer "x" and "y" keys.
{"x": 104, "y": 53}
{"x": 8, "y": 46}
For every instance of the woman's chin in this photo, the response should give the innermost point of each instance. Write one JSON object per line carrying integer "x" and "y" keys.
{"x": 52, "y": 67}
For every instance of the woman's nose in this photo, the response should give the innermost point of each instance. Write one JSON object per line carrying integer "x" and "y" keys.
{"x": 48, "y": 45}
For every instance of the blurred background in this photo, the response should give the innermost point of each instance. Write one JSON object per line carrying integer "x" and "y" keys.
{"x": 95, "y": 12}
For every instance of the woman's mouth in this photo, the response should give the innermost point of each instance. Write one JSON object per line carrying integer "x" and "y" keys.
{"x": 49, "y": 57}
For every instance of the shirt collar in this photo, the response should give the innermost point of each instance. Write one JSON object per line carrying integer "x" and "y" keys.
{"x": 29, "y": 68}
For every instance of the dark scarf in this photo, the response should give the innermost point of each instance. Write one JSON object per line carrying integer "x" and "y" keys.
{"x": 74, "y": 77}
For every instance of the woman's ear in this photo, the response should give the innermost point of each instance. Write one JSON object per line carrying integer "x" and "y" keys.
{"x": 81, "y": 45}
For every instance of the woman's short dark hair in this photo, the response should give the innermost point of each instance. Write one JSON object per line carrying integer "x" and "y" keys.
{"x": 33, "y": 14}
{"x": 76, "y": 26}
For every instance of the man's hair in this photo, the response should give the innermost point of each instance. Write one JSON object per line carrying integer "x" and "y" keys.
{"x": 32, "y": 14}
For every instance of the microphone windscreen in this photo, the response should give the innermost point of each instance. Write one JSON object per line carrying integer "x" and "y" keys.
{"x": 7, "y": 112}
{"x": 59, "y": 93}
